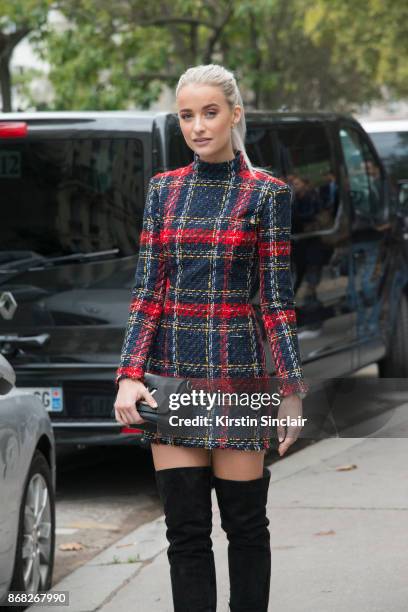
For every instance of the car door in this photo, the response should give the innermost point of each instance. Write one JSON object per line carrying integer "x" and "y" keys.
{"x": 320, "y": 245}
{"x": 10, "y": 457}
{"x": 371, "y": 249}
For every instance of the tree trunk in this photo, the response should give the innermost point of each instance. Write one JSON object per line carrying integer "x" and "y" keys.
{"x": 8, "y": 42}
{"x": 5, "y": 83}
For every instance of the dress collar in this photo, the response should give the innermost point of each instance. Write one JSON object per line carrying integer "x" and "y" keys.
{"x": 218, "y": 170}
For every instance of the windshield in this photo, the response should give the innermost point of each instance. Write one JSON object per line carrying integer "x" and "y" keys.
{"x": 63, "y": 197}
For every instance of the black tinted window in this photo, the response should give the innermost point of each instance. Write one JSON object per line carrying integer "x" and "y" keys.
{"x": 307, "y": 161}
{"x": 179, "y": 153}
{"x": 261, "y": 148}
{"x": 68, "y": 196}
{"x": 364, "y": 174}
{"x": 393, "y": 149}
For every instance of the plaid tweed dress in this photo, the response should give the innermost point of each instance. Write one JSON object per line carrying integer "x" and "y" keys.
{"x": 211, "y": 230}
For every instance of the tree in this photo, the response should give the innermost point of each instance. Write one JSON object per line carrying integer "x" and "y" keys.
{"x": 371, "y": 35}
{"x": 286, "y": 54}
{"x": 120, "y": 55}
{"x": 18, "y": 19}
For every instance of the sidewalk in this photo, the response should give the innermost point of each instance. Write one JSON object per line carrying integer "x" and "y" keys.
{"x": 358, "y": 563}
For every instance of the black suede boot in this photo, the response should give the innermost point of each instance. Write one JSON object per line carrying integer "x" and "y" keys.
{"x": 242, "y": 506}
{"x": 185, "y": 493}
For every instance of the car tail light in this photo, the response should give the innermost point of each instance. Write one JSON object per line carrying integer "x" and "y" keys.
{"x": 13, "y": 129}
{"x": 130, "y": 430}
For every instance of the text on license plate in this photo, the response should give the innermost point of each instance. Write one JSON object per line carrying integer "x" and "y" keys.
{"x": 51, "y": 397}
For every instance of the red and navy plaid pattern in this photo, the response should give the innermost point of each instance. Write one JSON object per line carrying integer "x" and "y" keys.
{"x": 210, "y": 231}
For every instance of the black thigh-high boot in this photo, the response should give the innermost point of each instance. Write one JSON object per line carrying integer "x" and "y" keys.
{"x": 242, "y": 506}
{"x": 185, "y": 493}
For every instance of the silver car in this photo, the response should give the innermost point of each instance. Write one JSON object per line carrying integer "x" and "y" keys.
{"x": 27, "y": 490}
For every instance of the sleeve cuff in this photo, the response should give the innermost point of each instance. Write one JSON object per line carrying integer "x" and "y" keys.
{"x": 128, "y": 372}
{"x": 299, "y": 387}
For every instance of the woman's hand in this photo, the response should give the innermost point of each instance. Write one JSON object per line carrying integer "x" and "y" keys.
{"x": 130, "y": 392}
{"x": 290, "y": 406}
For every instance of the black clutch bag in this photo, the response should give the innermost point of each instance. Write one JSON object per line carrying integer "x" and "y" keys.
{"x": 160, "y": 387}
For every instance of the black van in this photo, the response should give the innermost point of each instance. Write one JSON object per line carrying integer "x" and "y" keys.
{"x": 73, "y": 187}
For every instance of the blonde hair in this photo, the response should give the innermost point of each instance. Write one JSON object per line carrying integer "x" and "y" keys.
{"x": 218, "y": 76}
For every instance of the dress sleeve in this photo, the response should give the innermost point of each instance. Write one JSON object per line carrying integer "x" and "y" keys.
{"x": 147, "y": 297}
{"x": 276, "y": 290}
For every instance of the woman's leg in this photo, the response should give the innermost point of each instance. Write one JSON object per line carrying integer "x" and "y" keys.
{"x": 184, "y": 482}
{"x": 168, "y": 456}
{"x": 241, "y": 483}
{"x": 236, "y": 464}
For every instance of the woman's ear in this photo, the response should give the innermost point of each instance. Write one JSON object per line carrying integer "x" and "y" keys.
{"x": 237, "y": 114}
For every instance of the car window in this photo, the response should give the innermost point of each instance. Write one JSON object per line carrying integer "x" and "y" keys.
{"x": 261, "y": 148}
{"x": 307, "y": 159}
{"x": 179, "y": 153}
{"x": 365, "y": 184}
{"x": 64, "y": 196}
{"x": 157, "y": 153}
{"x": 393, "y": 149}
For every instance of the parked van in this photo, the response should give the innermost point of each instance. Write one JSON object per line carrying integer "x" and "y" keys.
{"x": 73, "y": 188}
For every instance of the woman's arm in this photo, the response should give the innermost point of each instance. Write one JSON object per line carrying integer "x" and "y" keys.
{"x": 147, "y": 294}
{"x": 276, "y": 290}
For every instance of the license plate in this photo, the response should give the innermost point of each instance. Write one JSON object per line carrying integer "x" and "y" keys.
{"x": 51, "y": 397}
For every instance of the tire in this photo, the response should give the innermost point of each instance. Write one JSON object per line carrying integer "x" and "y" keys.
{"x": 38, "y": 493}
{"x": 395, "y": 363}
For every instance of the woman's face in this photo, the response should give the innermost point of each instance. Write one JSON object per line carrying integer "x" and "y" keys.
{"x": 206, "y": 120}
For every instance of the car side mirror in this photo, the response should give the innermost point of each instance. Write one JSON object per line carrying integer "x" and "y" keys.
{"x": 7, "y": 376}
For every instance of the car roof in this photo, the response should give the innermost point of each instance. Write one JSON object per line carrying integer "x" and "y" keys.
{"x": 148, "y": 116}
{"x": 137, "y": 120}
{"x": 391, "y": 125}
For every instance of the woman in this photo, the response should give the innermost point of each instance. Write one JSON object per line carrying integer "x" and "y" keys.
{"x": 205, "y": 225}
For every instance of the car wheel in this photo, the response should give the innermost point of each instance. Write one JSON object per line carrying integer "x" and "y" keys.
{"x": 395, "y": 362}
{"x": 34, "y": 561}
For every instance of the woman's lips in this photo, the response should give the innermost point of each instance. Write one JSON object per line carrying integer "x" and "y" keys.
{"x": 201, "y": 142}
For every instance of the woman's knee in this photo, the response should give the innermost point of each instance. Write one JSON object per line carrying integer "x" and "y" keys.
{"x": 235, "y": 464}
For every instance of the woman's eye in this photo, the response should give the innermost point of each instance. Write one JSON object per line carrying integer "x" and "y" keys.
{"x": 187, "y": 116}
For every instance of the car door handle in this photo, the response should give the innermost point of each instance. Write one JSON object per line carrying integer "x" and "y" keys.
{"x": 39, "y": 340}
